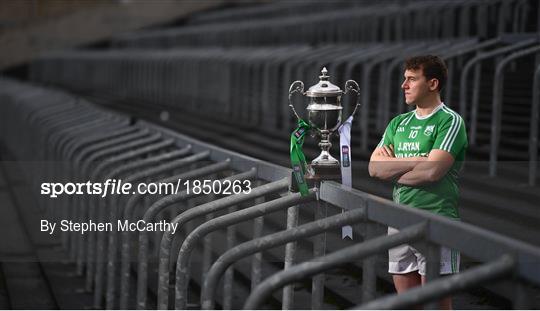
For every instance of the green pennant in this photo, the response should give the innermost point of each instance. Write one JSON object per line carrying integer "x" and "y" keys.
{"x": 298, "y": 159}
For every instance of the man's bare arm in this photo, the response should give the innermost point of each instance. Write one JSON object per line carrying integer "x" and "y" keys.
{"x": 384, "y": 165}
{"x": 437, "y": 165}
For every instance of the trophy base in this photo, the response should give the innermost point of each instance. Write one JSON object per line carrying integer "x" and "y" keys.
{"x": 315, "y": 174}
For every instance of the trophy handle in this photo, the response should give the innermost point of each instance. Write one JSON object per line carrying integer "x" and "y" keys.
{"x": 296, "y": 87}
{"x": 351, "y": 85}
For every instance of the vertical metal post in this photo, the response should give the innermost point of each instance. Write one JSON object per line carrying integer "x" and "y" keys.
{"x": 319, "y": 250}
{"x": 538, "y": 19}
{"x": 475, "y": 101}
{"x": 503, "y": 14}
{"x": 496, "y": 112}
{"x": 290, "y": 254}
{"x": 433, "y": 267}
{"x": 228, "y": 279}
{"x": 481, "y": 17}
{"x": 522, "y": 296}
{"x": 448, "y": 99}
{"x": 190, "y": 226}
{"x": 256, "y": 263}
{"x": 533, "y": 138}
{"x": 207, "y": 250}
{"x": 369, "y": 277}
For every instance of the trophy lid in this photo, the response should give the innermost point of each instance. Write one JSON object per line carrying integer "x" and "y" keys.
{"x": 324, "y": 88}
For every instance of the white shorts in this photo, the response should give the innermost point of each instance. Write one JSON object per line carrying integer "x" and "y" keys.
{"x": 405, "y": 258}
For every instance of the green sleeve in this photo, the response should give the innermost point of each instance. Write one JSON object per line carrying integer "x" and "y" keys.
{"x": 388, "y": 136}
{"x": 451, "y": 136}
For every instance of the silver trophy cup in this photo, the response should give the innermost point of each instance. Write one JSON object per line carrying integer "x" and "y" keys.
{"x": 324, "y": 117}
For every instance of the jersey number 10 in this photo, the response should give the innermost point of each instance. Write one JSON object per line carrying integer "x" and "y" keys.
{"x": 412, "y": 134}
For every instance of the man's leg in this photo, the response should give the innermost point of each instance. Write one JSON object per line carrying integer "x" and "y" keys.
{"x": 403, "y": 265}
{"x": 445, "y": 303}
{"x": 404, "y": 282}
{"x": 450, "y": 260}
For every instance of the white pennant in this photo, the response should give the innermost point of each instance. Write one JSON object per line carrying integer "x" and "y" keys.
{"x": 346, "y": 164}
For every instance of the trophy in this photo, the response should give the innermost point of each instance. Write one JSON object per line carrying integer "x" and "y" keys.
{"x": 324, "y": 117}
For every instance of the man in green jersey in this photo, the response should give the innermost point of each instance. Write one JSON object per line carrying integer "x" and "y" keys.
{"x": 422, "y": 152}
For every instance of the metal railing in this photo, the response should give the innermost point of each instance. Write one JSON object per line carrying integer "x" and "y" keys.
{"x": 473, "y": 106}
{"x": 272, "y": 10}
{"x": 325, "y": 263}
{"x": 533, "y": 138}
{"x": 368, "y": 21}
{"x": 142, "y": 151}
{"x": 246, "y": 86}
{"x": 241, "y": 77}
{"x": 498, "y": 105}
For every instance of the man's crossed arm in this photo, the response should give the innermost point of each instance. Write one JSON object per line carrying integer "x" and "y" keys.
{"x": 410, "y": 171}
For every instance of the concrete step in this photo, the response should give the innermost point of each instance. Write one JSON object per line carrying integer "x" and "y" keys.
{"x": 57, "y": 278}
{"x": 4, "y": 295}
{"x": 23, "y": 278}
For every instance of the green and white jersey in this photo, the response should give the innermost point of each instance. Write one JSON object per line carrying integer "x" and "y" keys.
{"x": 412, "y": 136}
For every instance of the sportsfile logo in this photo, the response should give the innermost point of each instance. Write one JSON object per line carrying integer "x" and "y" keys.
{"x": 118, "y": 187}
{"x": 110, "y": 186}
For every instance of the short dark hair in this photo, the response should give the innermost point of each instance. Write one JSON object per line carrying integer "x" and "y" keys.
{"x": 432, "y": 66}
